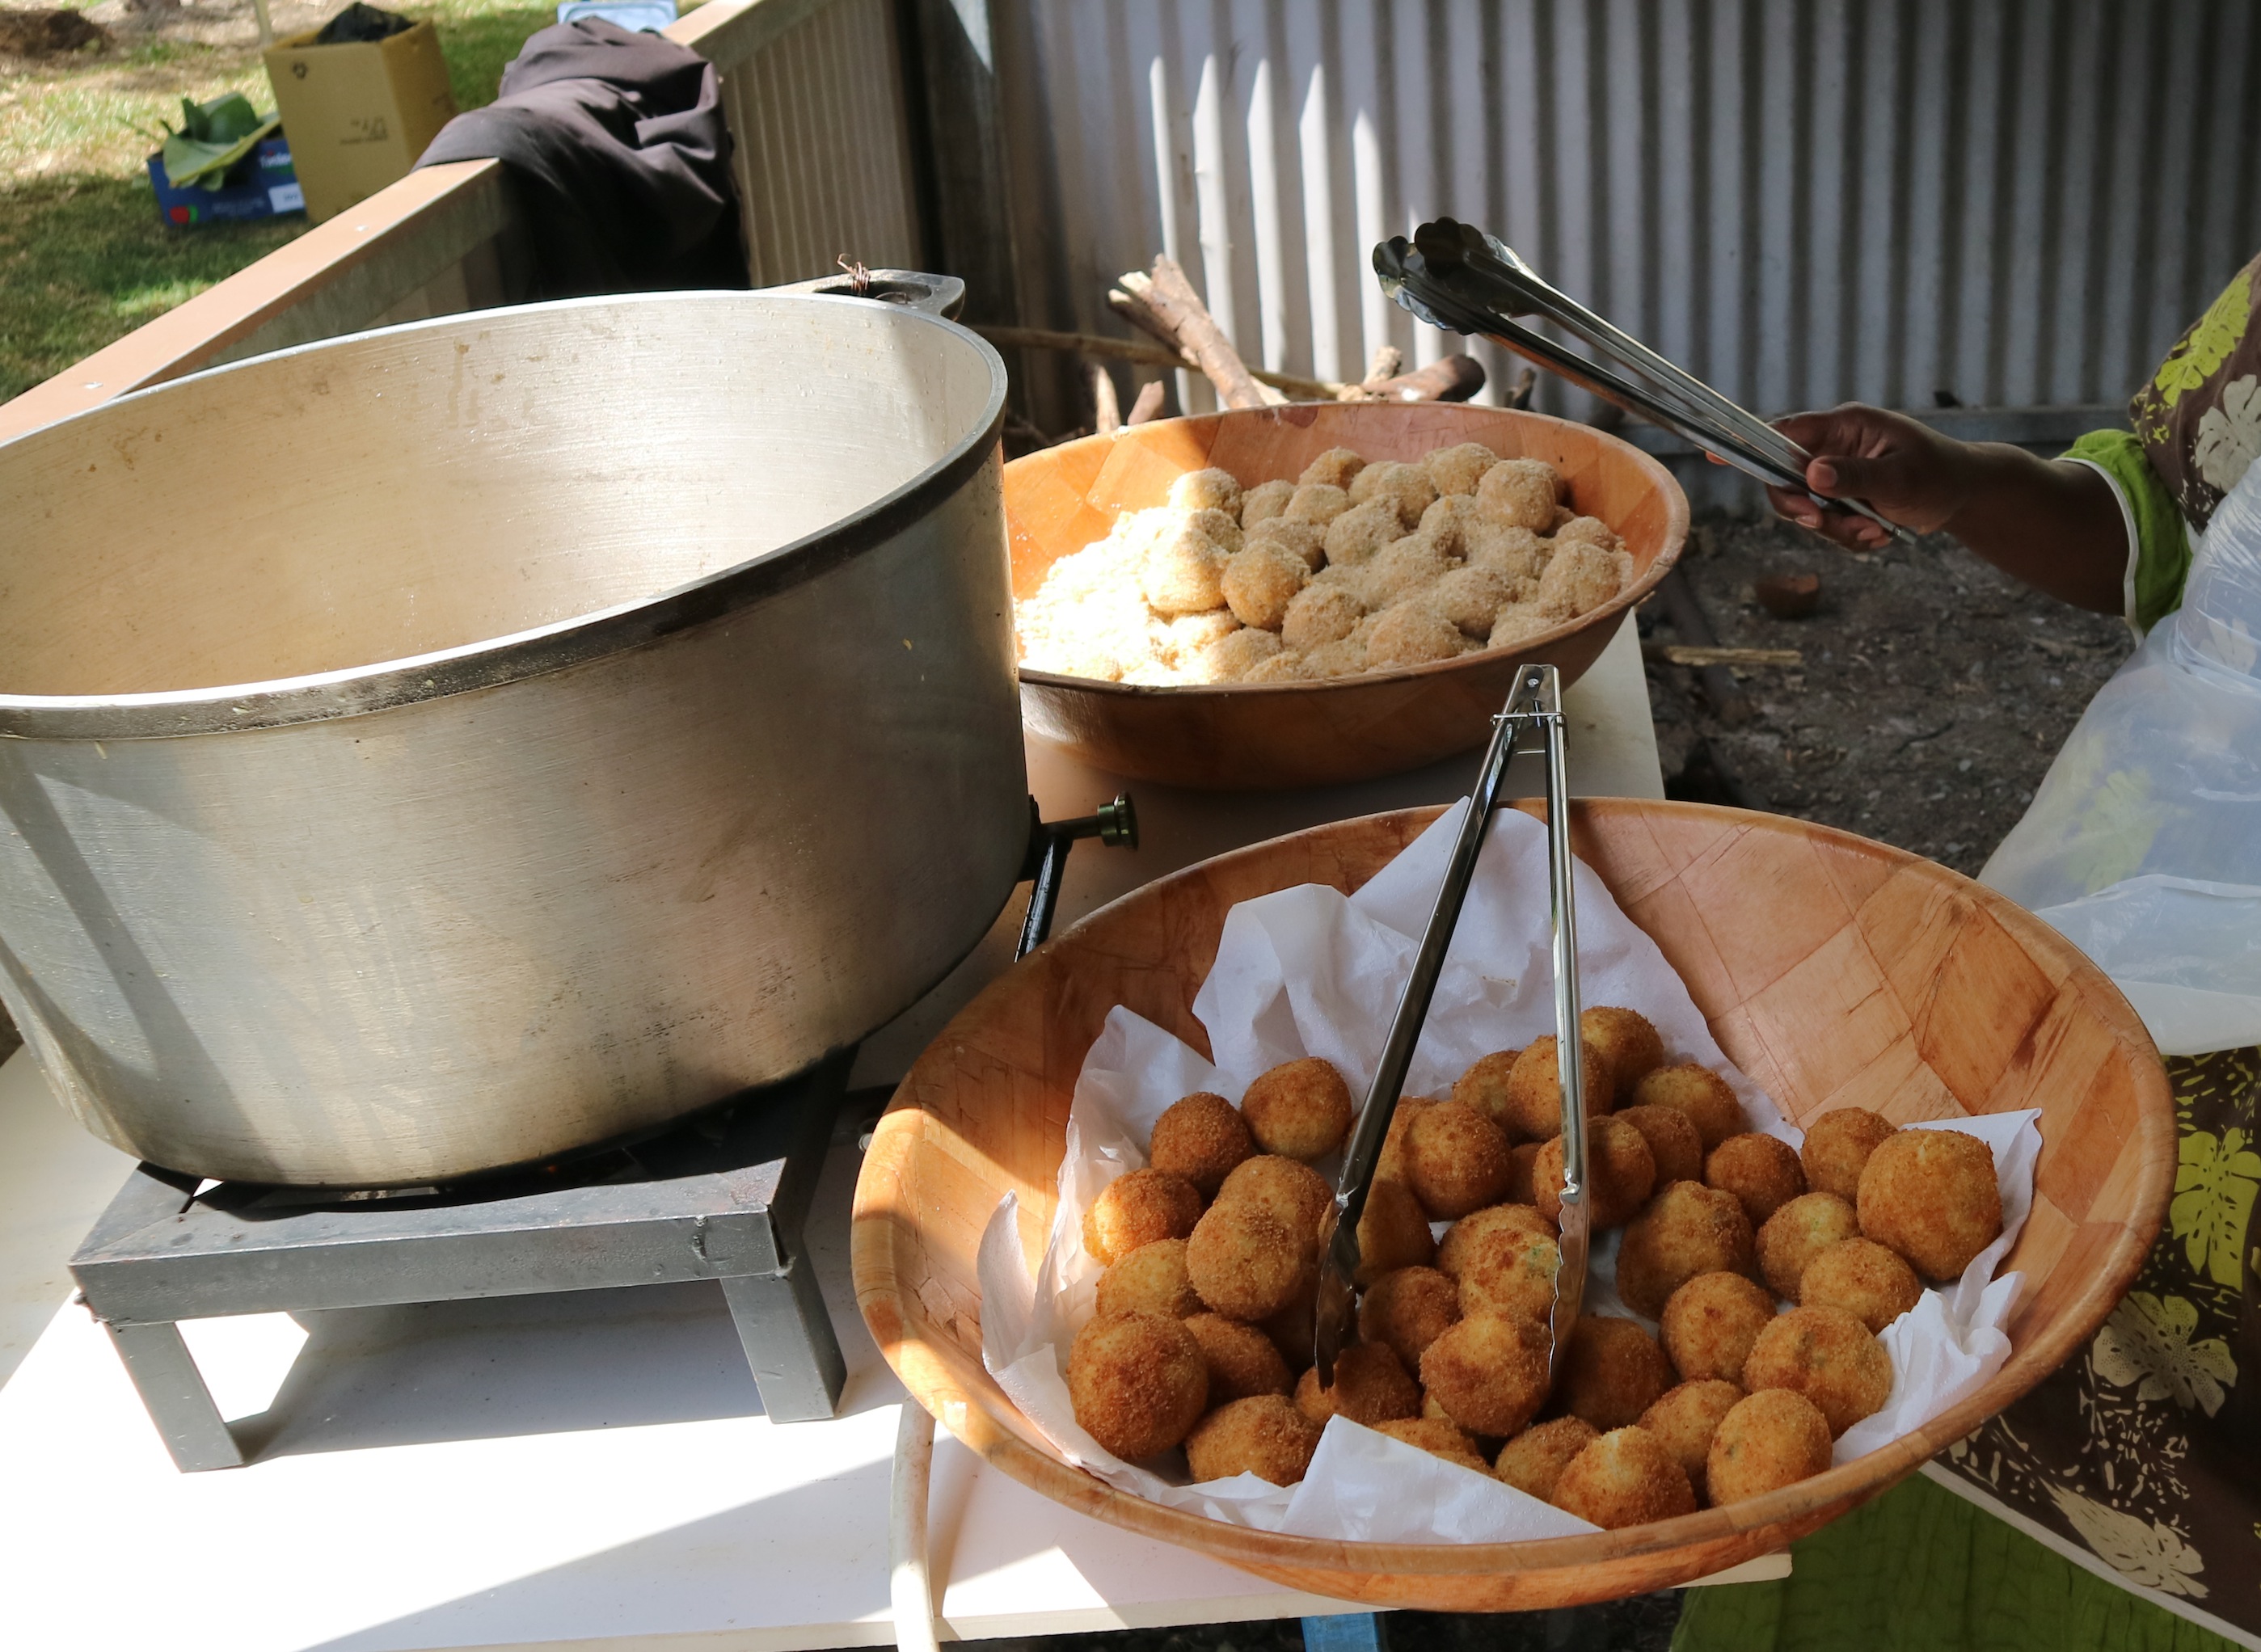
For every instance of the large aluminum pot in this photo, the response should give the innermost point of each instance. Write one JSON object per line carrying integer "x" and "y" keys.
{"x": 437, "y": 749}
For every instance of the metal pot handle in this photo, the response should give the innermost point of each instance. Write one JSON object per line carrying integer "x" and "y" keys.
{"x": 942, "y": 296}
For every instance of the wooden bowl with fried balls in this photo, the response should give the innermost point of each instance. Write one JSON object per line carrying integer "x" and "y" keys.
{"x": 1136, "y": 1209}
{"x": 1534, "y": 1087}
{"x": 1827, "y": 1355}
{"x": 1489, "y": 1374}
{"x": 1201, "y": 1137}
{"x": 1797, "y": 1233}
{"x": 1711, "y": 1323}
{"x": 1455, "y": 1160}
{"x": 1864, "y": 1279}
{"x": 1688, "y": 1229}
{"x": 1673, "y": 1141}
{"x": 1293, "y": 1195}
{"x": 1299, "y": 1110}
{"x": 1264, "y": 1435}
{"x": 1699, "y": 1092}
{"x": 1619, "y": 1165}
{"x": 1370, "y": 1387}
{"x": 1241, "y": 1359}
{"x": 1243, "y": 1264}
{"x": 1685, "y": 1420}
{"x": 1932, "y": 1196}
{"x": 1439, "y": 1437}
{"x": 1138, "y": 1381}
{"x": 1484, "y": 1088}
{"x": 1512, "y": 1271}
{"x": 1475, "y": 1230}
{"x": 1624, "y": 1478}
{"x": 1627, "y": 1042}
{"x": 1534, "y": 1460}
{"x": 1837, "y": 1146}
{"x": 1393, "y": 1232}
{"x": 1408, "y": 1309}
{"x": 1611, "y": 1372}
{"x": 1762, "y": 1171}
{"x": 1151, "y": 1279}
{"x": 1773, "y": 1439}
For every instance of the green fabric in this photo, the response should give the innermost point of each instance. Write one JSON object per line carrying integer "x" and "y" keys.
{"x": 2163, "y": 550}
{"x": 1921, "y": 1570}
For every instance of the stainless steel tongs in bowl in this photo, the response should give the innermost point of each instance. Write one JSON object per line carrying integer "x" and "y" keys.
{"x": 1458, "y": 277}
{"x": 1535, "y": 704}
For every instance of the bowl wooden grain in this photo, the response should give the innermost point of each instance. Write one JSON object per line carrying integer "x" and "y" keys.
{"x": 1260, "y": 737}
{"x": 1836, "y": 971}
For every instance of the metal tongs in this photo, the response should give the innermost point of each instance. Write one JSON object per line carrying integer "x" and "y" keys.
{"x": 1536, "y": 704}
{"x": 1458, "y": 277}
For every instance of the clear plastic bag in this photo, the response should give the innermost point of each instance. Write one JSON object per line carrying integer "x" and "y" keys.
{"x": 2144, "y": 844}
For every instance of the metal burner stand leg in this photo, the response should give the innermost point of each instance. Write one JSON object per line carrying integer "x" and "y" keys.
{"x": 788, "y": 1340}
{"x": 166, "y": 1377}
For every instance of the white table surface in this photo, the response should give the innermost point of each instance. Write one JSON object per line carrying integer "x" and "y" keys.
{"x": 587, "y": 1470}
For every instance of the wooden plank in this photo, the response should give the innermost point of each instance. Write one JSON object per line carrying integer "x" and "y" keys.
{"x": 727, "y": 33}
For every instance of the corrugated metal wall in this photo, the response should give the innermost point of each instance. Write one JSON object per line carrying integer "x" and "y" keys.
{"x": 2017, "y": 203}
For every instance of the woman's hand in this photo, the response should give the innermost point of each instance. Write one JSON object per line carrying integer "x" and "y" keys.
{"x": 1905, "y": 471}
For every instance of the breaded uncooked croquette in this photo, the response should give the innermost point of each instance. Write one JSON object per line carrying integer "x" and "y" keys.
{"x": 1827, "y": 1355}
{"x": 1580, "y": 577}
{"x": 1315, "y": 503}
{"x": 1520, "y": 494}
{"x": 1389, "y": 1163}
{"x": 1685, "y": 1420}
{"x": 1534, "y": 1087}
{"x": 1624, "y": 1478}
{"x": 1476, "y": 1231}
{"x": 1299, "y": 1110}
{"x": 1200, "y": 1137}
{"x": 1534, "y": 1461}
{"x": 1932, "y": 1196}
{"x": 1673, "y": 1139}
{"x": 1345, "y": 657}
{"x": 1137, "y": 1382}
{"x": 1244, "y": 1261}
{"x": 1221, "y": 528}
{"x": 1689, "y": 1230}
{"x": 1619, "y": 1170}
{"x": 1182, "y": 570}
{"x": 1264, "y": 502}
{"x": 1411, "y": 633}
{"x": 1439, "y": 1437}
{"x": 1628, "y": 1041}
{"x": 1518, "y": 622}
{"x": 1320, "y": 614}
{"x": 1483, "y": 1087}
{"x": 1408, "y": 1309}
{"x": 1521, "y": 1165}
{"x": 1293, "y": 1194}
{"x": 1179, "y": 638}
{"x": 1241, "y": 1359}
{"x": 1457, "y": 469}
{"x": 1612, "y": 1371}
{"x": 1337, "y": 467}
{"x": 1699, "y": 1092}
{"x": 1773, "y": 1439}
{"x": 1591, "y": 530}
{"x": 1759, "y": 1170}
{"x": 1151, "y": 1279}
{"x": 1136, "y": 1209}
{"x": 1798, "y": 1232}
{"x": 1516, "y": 554}
{"x": 1260, "y": 580}
{"x": 1393, "y": 1232}
{"x": 1232, "y": 656}
{"x": 1403, "y": 488}
{"x": 1875, "y": 1285}
{"x": 1370, "y": 1387}
{"x": 1402, "y": 569}
{"x": 1263, "y": 1435}
{"x": 1356, "y": 537}
{"x": 1469, "y": 597}
{"x": 1510, "y": 1271}
{"x": 1210, "y": 490}
{"x": 1305, "y": 541}
{"x": 1837, "y": 1146}
{"x": 1446, "y": 523}
{"x": 1710, "y": 1323}
{"x": 1286, "y": 666}
{"x": 1488, "y": 1373}
{"x": 1455, "y": 1160}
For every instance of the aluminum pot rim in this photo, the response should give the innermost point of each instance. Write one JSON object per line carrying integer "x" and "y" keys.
{"x": 383, "y": 685}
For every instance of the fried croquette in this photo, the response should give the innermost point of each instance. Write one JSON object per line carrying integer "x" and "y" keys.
{"x": 1618, "y": 1166}
{"x": 1699, "y": 1092}
{"x": 1688, "y": 1231}
{"x": 1232, "y": 656}
{"x": 1797, "y": 1233}
{"x": 1932, "y": 1196}
{"x": 1685, "y": 1420}
{"x": 1411, "y": 633}
{"x": 1210, "y": 490}
{"x": 1404, "y": 488}
{"x": 1455, "y": 1160}
{"x": 1469, "y": 597}
{"x": 1772, "y": 1439}
{"x": 1710, "y": 1323}
{"x": 1371, "y": 1386}
{"x": 1393, "y": 1232}
{"x": 1836, "y": 1148}
{"x": 1469, "y": 1237}
{"x": 1264, "y": 502}
{"x": 1337, "y": 467}
{"x": 1439, "y": 1437}
{"x": 1510, "y": 1271}
{"x": 1628, "y": 1041}
{"x": 1301, "y": 538}
{"x": 1241, "y": 1359}
{"x": 1357, "y": 535}
{"x": 1520, "y": 494}
{"x": 1299, "y": 1110}
{"x": 1484, "y": 1088}
{"x": 1611, "y": 1372}
{"x": 1151, "y": 1279}
{"x": 1458, "y": 468}
{"x": 1138, "y": 1381}
{"x": 1626, "y": 1477}
{"x": 1488, "y": 1373}
{"x": 1408, "y": 1309}
{"x": 1244, "y": 1261}
{"x": 1136, "y": 1209}
{"x": 1534, "y": 1087}
{"x": 1317, "y": 503}
{"x": 1259, "y": 582}
{"x": 1521, "y": 1165}
{"x": 1762, "y": 1171}
{"x": 1320, "y": 614}
{"x": 1673, "y": 1139}
{"x": 1200, "y": 1137}
{"x": 1390, "y": 1164}
{"x": 1534, "y": 1461}
{"x": 1263, "y": 1435}
{"x": 1827, "y": 1355}
{"x": 1292, "y": 1193}
{"x": 1861, "y": 1277}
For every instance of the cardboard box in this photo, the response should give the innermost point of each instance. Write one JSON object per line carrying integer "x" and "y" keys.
{"x": 360, "y": 114}
{"x": 261, "y": 185}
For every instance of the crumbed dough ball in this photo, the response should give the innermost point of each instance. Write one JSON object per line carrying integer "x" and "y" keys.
{"x": 1580, "y": 577}
{"x": 1408, "y": 1309}
{"x": 1136, "y": 1209}
{"x": 1263, "y": 1435}
{"x": 1488, "y": 1373}
{"x": 1518, "y": 622}
{"x": 1457, "y": 469}
{"x": 1370, "y": 1387}
{"x": 1932, "y": 1196}
{"x": 1300, "y": 1110}
{"x": 1510, "y": 1272}
{"x": 1690, "y": 1231}
{"x": 1292, "y": 1194}
{"x": 1389, "y": 1163}
{"x": 1439, "y": 1437}
{"x": 1685, "y": 1421}
{"x": 1241, "y": 1359}
{"x": 1221, "y": 528}
{"x": 1516, "y": 553}
{"x": 1710, "y": 1323}
{"x": 1470, "y": 597}
{"x": 1534, "y": 1087}
{"x": 1827, "y": 1355}
{"x": 1178, "y": 641}
{"x": 1759, "y": 1170}
{"x": 1448, "y": 522}
{"x": 1182, "y": 570}
{"x": 1699, "y": 1092}
{"x": 1137, "y": 1382}
{"x": 1455, "y": 1160}
{"x": 1233, "y": 656}
{"x": 1403, "y": 488}
{"x": 1409, "y": 568}
{"x": 1337, "y": 467}
{"x": 1411, "y": 633}
{"x": 1837, "y": 1146}
{"x": 1286, "y": 666}
{"x": 1520, "y": 494}
{"x": 1618, "y": 1166}
{"x": 1773, "y": 1439}
{"x": 1673, "y": 1139}
{"x": 1308, "y": 543}
{"x": 1477, "y": 1231}
{"x": 1864, "y": 1279}
{"x": 1484, "y": 1088}
{"x": 1624, "y": 1478}
{"x": 1317, "y": 503}
{"x": 1151, "y": 1279}
{"x": 1393, "y": 1232}
{"x": 1798, "y": 1232}
{"x": 1630, "y": 1041}
{"x": 1523, "y": 1164}
{"x": 1612, "y": 1371}
{"x": 1591, "y": 530}
{"x": 1245, "y": 1263}
{"x": 1344, "y": 657}
{"x": 1357, "y": 537}
{"x": 1264, "y": 502}
{"x": 1534, "y": 1461}
{"x": 1210, "y": 490}
{"x": 1200, "y": 1137}
{"x": 1259, "y": 582}
{"x": 1320, "y": 614}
